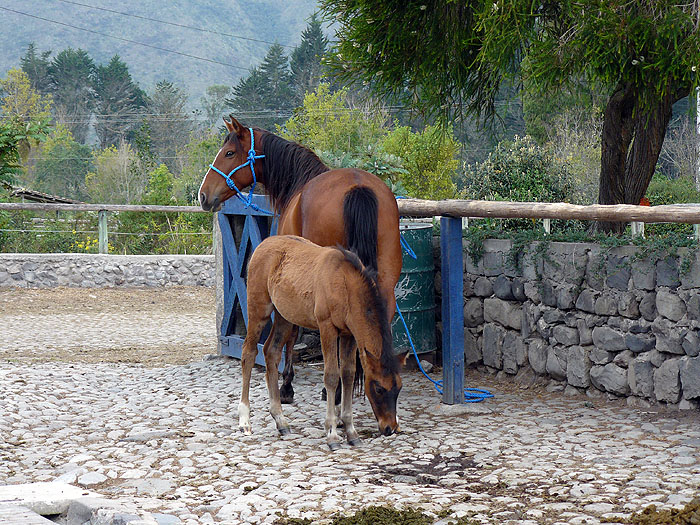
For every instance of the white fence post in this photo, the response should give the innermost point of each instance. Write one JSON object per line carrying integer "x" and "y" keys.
{"x": 637, "y": 229}
{"x": 103, "y": 245}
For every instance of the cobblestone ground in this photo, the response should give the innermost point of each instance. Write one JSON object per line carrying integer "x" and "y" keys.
{"x": 165, "y": 436}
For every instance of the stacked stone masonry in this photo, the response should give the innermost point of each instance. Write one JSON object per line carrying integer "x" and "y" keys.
{"x": 23, "y": 270}
{"x": 588, "y": 319}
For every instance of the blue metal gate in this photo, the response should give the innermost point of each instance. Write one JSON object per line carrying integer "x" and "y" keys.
{"x": 242, "y": 229}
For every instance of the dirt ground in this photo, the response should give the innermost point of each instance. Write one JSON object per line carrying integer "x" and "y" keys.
{"x": 108, "y": 325}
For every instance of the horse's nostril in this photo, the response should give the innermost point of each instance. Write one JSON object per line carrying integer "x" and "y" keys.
{"x": 388, "y": 431}
{"x": 202, "y": 198}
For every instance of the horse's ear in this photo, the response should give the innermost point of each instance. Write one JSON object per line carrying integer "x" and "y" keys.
{"x": 234, "y": 126}
{"x": 229, "y": 124}
{"x": 402, "y": 359}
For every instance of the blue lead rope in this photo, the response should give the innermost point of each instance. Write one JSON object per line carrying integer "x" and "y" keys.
{"x": 471, "y": 395}
{"x": 252, "y": 157}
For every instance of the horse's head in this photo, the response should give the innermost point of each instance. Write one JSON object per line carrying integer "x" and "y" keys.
{"x": 232, "y": 168}
{"x": 382, "y": 387}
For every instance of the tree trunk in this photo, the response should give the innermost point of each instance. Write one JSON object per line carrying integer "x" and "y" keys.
{"x": 615, "y": 141}
{"x": 650, "y": 125}
{"x": 633, "y": 134}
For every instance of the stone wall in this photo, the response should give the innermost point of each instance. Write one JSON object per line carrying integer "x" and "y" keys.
{"x": 587, "y": 319}
{"x": 24, "y": 270}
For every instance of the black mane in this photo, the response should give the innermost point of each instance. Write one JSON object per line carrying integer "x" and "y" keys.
{"x": 378, "y": 307}
{"x": 288, "y": 166}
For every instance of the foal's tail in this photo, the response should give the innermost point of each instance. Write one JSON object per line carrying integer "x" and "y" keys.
{"x": 360, "y": 211}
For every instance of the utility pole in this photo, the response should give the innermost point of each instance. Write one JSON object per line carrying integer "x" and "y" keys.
{"x": 697, "y": 138}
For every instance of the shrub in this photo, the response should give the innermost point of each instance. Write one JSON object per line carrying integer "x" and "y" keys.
{"x": 664, "y": 190}
{"x": 519, "y": 171}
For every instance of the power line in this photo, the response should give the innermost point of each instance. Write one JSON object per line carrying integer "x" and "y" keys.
{"x": 126, "y": 39}
{"x": 213, "y": 32}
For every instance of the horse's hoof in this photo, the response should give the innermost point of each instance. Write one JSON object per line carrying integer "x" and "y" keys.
{"x": 286, "y": 395}
{"x": 248, "y": 431}
{"x": 355, "y": 442}
{"x": 334, "y": 446}
{"x": 284, "y": 431}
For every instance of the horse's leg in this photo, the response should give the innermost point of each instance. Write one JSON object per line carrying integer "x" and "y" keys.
{"x": 273, "y": 353}
{"x": 331, "y": 378}
{"x": 347, "y": 377}
{"x": 286, "y": 390}
{"x": 258, "y": 316}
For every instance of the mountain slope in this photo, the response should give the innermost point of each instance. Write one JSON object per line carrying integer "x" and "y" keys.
{"x": 272, "y": 20}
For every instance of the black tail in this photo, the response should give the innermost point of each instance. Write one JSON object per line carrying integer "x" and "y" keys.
{"x": 360, "y": 210}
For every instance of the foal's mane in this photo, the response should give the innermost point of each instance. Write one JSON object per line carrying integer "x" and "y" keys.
{"x": 288, "y": 166}
{"x": 369, "y": 276}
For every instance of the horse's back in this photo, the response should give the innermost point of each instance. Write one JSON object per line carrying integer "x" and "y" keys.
{"x": 296, "y": 275}
{"x": 316, "y": 213}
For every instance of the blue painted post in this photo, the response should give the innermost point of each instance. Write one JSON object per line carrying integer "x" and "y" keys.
{"x": 452, "y": 311}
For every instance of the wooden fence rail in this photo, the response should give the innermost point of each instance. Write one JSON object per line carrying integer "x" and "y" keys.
{"x": 637, "y": 215}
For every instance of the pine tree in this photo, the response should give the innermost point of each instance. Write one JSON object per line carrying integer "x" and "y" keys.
{"x": 266, "y": 94}
{"x": 37, "y": 68}
{"x": 118, "y": 99}
{"x": 169, "y": 121}
{"x": 70, "y": 79}
{"x": 305, "y": 60}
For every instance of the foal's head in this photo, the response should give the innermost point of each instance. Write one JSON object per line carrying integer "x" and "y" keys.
{"x": 382, "y": 382}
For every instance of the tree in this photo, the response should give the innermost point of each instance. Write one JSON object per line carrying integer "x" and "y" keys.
{"x": 118, "y": 99}
{"x": 36, "y": 66}
{"x": 63, "y": 165}
{"x": 24, "y": 122}
{"x": 14, "y": 132}
{"x": 266, "y": 91}
{"x": 305, "y": 61}
{"x": 454, "y": 56}
{"x": 214, "y": 104}
{"x": 112, "y": 179}
{"x": 70, "y": 78}
{"x": 169, "y": 121}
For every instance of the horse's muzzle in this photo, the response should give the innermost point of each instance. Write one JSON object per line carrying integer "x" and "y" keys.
{"x": 207, "y": 204}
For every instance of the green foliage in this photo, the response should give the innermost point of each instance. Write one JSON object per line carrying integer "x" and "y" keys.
{"x": 169, "y": 122}
{"x": 664, "y": 190}
{"x": 114, "y": 179}
{"x": 519, "y": 171}
{"x": 14, "y": 132}
{"x": 414, "y": 164}
{"x": 63, "y": 165}
{"x": 305, "y": 61}
{"x": 196, "y": 154}
{"x": 117, "y": 99}
{"x": 327, "y": 122}
{"x": 71, "y": 75}
{"x": 429, "y": 160}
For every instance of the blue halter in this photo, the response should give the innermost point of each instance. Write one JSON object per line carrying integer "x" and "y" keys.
{"x": 252, "y": 157}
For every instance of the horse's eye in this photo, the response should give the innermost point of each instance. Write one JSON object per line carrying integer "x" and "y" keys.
{"x": 379, "y": 390}
{"x": 229, "y": 153}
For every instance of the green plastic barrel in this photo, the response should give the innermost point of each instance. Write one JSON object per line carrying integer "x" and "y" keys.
{"x": 415, "y": 294}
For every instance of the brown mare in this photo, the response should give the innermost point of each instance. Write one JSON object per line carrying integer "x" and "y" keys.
{"x": 346, "y": 207}
{"x": 330, "y": 290}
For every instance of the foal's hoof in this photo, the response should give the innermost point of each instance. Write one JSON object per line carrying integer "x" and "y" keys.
{"x": 284, "y": 431}
{"x": 286, "y": 395}
{"x": 355, "y": 442}
{"x": 334, "y": 446}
